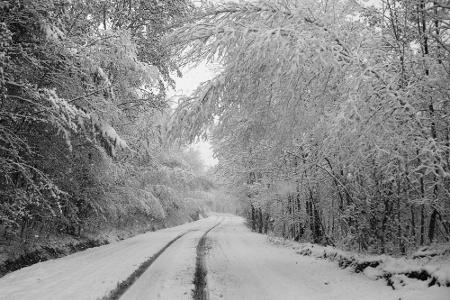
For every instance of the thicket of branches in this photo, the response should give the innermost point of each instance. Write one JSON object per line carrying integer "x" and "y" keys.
{"x": 83, "y": 116}
{"x": 330, "y": 117}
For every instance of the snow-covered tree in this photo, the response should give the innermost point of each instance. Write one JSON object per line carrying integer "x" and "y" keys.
{"x": 330, "y": 116}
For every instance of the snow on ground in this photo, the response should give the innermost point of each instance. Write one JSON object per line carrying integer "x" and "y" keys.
{"x": 171, "y": 275}
{"x": 245, "y": 265}
{"x": 241, "y": 265}
{"x": 92, "y": 273}
{"x": 398, "y": 272}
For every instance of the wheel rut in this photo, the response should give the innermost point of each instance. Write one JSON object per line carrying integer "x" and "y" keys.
{"x": 200, "y": 292}
{"x": 123, "y": 286}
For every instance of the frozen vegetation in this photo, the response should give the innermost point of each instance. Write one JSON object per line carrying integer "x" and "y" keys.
{"x": 329, "y": 119}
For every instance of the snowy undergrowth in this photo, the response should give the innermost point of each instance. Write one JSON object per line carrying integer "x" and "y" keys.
{"x": 430, "y": 266}
{"x": 19, "y": 254}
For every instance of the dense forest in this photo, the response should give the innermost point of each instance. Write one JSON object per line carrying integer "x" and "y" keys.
{"x": 329, "y": 118}
{"x": 84, "y": 114}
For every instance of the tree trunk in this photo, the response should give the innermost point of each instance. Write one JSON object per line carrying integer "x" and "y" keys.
{"x": 253, "y": 218}
{"x": 422, "y": 225}
{"x": 261, "y": 221}
{"x": 432, "y": 226}
{"x": 413, "y": 225}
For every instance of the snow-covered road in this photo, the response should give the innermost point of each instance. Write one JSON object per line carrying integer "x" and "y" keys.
{"x": 241, "y": 265}
{"x": 93, "y": 273}
{"x": 245, "y": 265}
{"x": 171, "y": 275}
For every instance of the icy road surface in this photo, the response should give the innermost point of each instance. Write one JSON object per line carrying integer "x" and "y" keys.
{"x": 240, "y": 264}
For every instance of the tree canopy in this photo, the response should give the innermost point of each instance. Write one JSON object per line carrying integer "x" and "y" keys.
{"x": 83, "y": 120}
{"x": 331, "y": 117}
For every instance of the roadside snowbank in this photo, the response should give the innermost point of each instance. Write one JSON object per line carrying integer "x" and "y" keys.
{"x": 427, "y": 267}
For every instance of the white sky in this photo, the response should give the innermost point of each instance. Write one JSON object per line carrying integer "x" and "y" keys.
{"x": 192, "y": 77}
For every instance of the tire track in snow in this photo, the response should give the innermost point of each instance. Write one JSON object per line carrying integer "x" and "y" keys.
{"x": 200, "y": 291}
{"x": 123, "y": 286}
